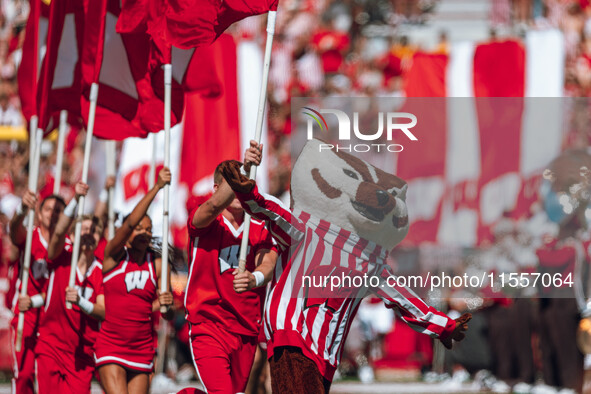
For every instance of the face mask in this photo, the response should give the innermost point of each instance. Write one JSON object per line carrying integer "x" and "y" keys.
{"x": 558, "y": 206}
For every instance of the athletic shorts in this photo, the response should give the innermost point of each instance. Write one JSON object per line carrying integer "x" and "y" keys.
{"x": 222, "y": 359}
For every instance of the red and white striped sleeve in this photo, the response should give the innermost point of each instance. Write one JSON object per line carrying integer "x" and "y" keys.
{"x": 285, "y": 228}
{"x": 414, "y": 311}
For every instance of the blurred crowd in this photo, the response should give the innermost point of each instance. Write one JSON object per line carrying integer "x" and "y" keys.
{"x": 13, "y": 19}
{"x": 354, "y": 48}
{"x": 365, "y": 48}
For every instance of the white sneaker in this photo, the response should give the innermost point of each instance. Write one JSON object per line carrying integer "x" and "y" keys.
{"x": 431, "y": 377}
{"x": 483, "y": 380}
{"x": 451, "y": 385}
{"x": 161, "y": 381}
{"x": 366, "y": 374}
{"x": 185, "y": 374}
{"x": 543, "y": 389}
{"x": 567, "y": 391}
{"x": 522, "y": 388}
{"x": 500, "y": 387}
{"x": 461, "y": 376}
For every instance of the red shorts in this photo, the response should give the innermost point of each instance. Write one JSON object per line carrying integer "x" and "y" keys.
{"x": 222, "y": 359}
{"x": 62, "y": 372}
{"x": 23, "y": 362}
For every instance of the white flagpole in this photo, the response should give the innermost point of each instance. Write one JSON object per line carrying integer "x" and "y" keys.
{"x": 152, "y": 173}
{"x": 110, "y": 153}
{"x": 61, "y": 140}
{"x": 272, "y": 16}
{"x": 167, "y": 100}
{"x": 163, "y": 330}
{"x": 86, "y": 165}
{"x": 35, "y": 136}
{"x": 152, "y": 179}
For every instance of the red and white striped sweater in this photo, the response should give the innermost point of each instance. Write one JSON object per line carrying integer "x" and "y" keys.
{"x": 319, "y": 323}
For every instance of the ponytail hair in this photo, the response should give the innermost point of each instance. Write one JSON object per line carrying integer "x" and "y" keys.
{"x": 174, "y": 258}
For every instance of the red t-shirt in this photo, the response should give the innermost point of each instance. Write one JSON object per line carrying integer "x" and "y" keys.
{"x": 210, "y": 295}
{"x": 70, "y": 330}
{"x": 330, "y": 45}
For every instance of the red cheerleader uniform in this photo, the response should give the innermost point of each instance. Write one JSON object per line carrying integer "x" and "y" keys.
{"x": 126, "y": 335}
{"x": 66, "y": 336}
{"x": 23, "y": 368}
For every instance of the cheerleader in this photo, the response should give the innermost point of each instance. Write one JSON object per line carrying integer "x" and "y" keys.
{"x": 125, "y": 346}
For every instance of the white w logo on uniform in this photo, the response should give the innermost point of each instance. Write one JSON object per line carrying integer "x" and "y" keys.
{"x": 136, "y": 280}
{"x": 229, "y": 257}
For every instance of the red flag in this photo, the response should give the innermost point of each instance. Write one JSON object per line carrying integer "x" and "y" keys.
{"x": 192, "y": 23}
{"x": 499, "y": 120}
{"x": 212, "y": 126}
{"x": 127, "y": 104}
{"x": 425, "y": 80}
{"x": 496, "y": 76}
{"x": 218, "y": 129}
{"x": 134, "y": 16}
{"x": 193, "y": 70}
{"x": 490, "y": 144}
{"x": 33, "y": 48}
{"x": 60, "y": 78}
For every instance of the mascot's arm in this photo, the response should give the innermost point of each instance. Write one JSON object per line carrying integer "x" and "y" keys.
{"x": 285, "y": 228}
{"x": 418, "y": 315}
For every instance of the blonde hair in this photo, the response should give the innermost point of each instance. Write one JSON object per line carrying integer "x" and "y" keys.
{"x": 96, "y": 222}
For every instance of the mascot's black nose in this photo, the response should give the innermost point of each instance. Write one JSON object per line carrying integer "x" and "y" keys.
{"x": 382, "y": 196}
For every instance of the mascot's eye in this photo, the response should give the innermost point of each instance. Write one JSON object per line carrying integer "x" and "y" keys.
{"x": 394, "y": 193}
{"x": 350, "y": 173}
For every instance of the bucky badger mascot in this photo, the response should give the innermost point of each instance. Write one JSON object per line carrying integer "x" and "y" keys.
{"x": 346, "y": 215}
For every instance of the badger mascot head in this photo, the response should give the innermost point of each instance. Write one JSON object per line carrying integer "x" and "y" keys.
{"x": 350, "y": 193}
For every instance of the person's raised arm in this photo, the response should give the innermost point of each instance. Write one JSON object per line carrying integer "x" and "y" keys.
{"x": 285, "y": 227}
{"x": 223, "y": 196}
{"x": 211, "y": 209}
{"x": 58, "y": 238}
{"x": 115, "y": 246}
{"x": 101, "y": 207}
{"x": 18, "y": 232}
